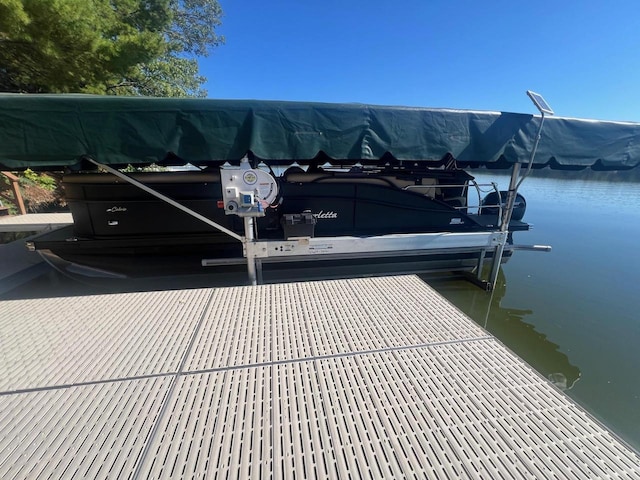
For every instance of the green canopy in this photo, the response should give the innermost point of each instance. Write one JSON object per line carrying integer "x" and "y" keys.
{"x": 56, "y": 131}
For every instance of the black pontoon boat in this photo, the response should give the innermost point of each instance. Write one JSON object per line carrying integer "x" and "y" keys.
{"x": 122, "y": 230}
{"x": 286, "y": 182}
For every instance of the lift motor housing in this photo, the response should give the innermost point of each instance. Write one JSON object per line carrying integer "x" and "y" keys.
{"x": 246, "y": 191}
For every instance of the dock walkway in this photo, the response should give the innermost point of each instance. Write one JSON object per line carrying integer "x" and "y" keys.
{"x": 34, "y": 222}
{"x": 363, "y": 378}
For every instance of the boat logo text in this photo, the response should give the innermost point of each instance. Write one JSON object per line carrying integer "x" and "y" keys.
{"x": 325, "y": 215}
{"x": 116, "y": 209}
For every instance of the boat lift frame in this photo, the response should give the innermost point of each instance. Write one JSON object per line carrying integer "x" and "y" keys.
{"x": 347, "y": 247}
{"x": 257, "y": 252}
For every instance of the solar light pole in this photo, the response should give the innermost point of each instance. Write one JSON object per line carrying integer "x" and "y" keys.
{"x": 544, "y": 108}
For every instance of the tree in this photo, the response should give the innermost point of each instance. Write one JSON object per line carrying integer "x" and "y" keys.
{"x": 125, "y": 47}
{"x": 191, "y": 33}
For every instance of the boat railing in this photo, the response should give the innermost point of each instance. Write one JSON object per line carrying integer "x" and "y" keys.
{"x": 482, "y": 191}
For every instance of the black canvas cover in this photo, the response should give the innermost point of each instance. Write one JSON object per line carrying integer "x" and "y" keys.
{"x": 55, "y": 131}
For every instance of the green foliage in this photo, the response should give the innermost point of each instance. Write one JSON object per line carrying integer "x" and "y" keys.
{"x": 169, "y": 76}
{"x": 39, "y": 191}
{"x": 41, "y": 180}
{"x": 131, "y": 47}
{"x": 193, "y": 26}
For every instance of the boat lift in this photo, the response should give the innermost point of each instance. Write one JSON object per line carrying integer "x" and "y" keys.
{"x": 247, "y": 192}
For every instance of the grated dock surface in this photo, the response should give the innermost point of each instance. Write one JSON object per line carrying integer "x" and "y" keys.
{"x": 34, "y": 222}
{"x": 364, "y": 378}
{"x": 65, "y": 341}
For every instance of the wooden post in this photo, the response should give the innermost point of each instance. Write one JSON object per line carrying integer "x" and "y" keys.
{"x": 15, "y": 188}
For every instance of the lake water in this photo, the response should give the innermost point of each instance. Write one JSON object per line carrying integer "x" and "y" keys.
{"x": 573, "y": 313}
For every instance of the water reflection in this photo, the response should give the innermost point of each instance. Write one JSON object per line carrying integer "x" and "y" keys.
{"x": 509, "y": 326}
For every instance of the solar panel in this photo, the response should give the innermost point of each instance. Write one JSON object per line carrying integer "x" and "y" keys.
{"x": 540, "y": 102}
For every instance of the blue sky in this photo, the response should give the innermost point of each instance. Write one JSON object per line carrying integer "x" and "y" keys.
{"x": 582, "y": 56}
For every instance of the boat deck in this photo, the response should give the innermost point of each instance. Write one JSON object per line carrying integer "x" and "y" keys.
{"x": 362, "y": 378}
{"x": 34, "y": 222}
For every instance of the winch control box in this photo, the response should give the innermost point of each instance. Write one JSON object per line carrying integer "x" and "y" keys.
{"x": 246, "y": 191}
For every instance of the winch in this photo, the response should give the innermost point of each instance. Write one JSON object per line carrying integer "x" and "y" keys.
{"x": 247, "y": 191}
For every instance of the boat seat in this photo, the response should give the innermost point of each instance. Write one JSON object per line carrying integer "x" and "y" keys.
{"x": 457, "y": 202}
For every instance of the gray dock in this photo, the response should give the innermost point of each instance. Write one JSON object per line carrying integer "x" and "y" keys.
{"x": 34, "y": 222}
{"x": 364, "y": 378}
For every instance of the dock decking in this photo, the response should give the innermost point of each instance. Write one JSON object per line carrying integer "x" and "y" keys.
{"x": 363, "y": 378}
{"x": 34, "y": 222}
